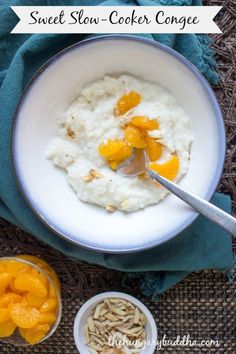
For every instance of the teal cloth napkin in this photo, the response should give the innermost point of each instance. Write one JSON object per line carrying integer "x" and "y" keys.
{"x": 203, "y": 245}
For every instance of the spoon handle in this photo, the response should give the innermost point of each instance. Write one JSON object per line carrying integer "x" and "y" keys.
{"x": 205, "y": 208}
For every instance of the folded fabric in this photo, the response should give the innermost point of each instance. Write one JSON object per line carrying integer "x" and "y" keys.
{"x": 202, "y": 245}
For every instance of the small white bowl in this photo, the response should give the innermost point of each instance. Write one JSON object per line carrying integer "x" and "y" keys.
{"x": 88, "y": 306}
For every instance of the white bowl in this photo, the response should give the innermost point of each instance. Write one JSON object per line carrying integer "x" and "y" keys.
{"x": 53, "y": 89}
{"x": 88, "y": 306}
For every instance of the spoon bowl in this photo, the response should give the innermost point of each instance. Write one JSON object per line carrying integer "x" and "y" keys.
{"x": 135, "y": 166}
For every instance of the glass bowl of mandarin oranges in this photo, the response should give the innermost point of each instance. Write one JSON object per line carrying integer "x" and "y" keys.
{"x": 30, "y": 300}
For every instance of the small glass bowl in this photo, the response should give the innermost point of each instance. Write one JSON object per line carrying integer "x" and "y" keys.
{"x": 16, "y": 339}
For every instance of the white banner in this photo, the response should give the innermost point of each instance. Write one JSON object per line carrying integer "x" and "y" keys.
{"x": 111, "y": 19}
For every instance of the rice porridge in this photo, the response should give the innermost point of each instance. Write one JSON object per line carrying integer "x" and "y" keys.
{"x": 110, "y": 118}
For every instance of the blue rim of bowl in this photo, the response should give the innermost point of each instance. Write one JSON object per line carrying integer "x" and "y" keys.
{"x": 217, "y": 111}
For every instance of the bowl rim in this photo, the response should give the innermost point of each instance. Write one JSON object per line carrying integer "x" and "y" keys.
{"x": 217, "y": 112}
{"x": 91, "y": 302}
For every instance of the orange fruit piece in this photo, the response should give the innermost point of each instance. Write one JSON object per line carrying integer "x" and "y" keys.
{"x": 114, "y": 164}
{"x": 24, "y": 316}
{"x": 123, "y": 154}
{"x": 8, "y": 298}
{"x": 168, "y": 169}
{"x": 135, "y": 136}
{"x": 126, "y": 102}
{"x": 43, "y": 327}
{"x": 52, "y": 291}
{"x": 5, "y": 280}
{"x": 31, "y": 335}
{"x": 111, "y": 147}
{"x": 34, "y": 301}
{"x": 32, "y": 283}
{"x": 43, "y": 265}
{"x": 3, "y": 267}
{"x": 13, "y": 289}
{"x": 14, "y": 268}
{"x": 153, "y": 149}
{"x": 4, "y": 314}
{"x": 48, "y": 317}
{"x": 116, "y": 149}
{"x": 7, "y": 328}
{"x": 49, "y": 305}
{"x": 143, "y": 176}
{"x": 40, "y": 276}
{"x": 145, "y": 123}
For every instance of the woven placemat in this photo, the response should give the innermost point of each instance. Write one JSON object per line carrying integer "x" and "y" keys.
{"x": 203, "y": 305}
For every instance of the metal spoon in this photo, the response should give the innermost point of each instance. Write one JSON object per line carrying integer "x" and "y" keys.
{"x": 139, "y": 165}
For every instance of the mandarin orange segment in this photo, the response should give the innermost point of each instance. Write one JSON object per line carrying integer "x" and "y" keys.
{"x": 32, "y": 283}
{"x": 7, "y": 328}
{"x": 8, "y": 298}
{"x": 123, "y": 154}
{"x": 24, "y": 316}
{"x": 13, "y": 289}
{"x": 52, "y": 291}
{"x": 153, "y": 149}
{"x": 114, "y": 164}
{"x": 43, "y": 327}
{"x": 48, "y": 317}
{"x": 49, "y": 305}
{"x": 135, "y": 136}
{"x": 43, "y": 265}
{"x": 4, "y": 314}
{"x": 5, "y": 280}
{"x": 127, "y": 102}
{"x": 34, "y": 301}
{"x": 40, "y": 276}
{"x": 115, "y": 151}
{"x": 14, "y": 268}
{"x": 168, "y": 169}
{"x": 143, "y": 176}
{"x": 32, "y": 336}
{"x": 111, "y": 147}
{"x": 3, "y": 267}
{"x": 145, "y": 123}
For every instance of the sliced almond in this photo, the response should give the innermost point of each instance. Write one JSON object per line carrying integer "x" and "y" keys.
{"x": 129, "y": 324}
{"x": 95, "y": 346}
{"x": 111, "y": 208}
{"x": 129, "y": 331}
{"x": 86, "y": 334}
{"x": 92, "y": 351}
{"x": 70, "y": 133}
{"x": 97, "y": 340}
{"x": 87, "y": 178}
{"x": 111, "y": 317}
{"x": 143, "y": 319}
{"x": 90, "y": 323}
{"x": 96, "y": 174}
{"x": 102, "y": 313}
{"x": 115, "y": 324}
{"x": 97, "y": 312}
{"x": 117, "y": 311}
{"x": 136, "y": 316}
{"x": 155, "y": 134}
{"x": 91, "y": 175}
{"x": 108, "y": 304}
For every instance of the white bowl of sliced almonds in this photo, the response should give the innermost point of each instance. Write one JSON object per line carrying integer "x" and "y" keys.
{"x": 114, "y": 323}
